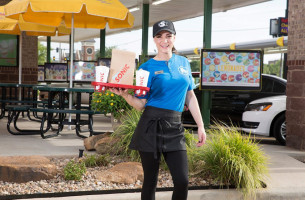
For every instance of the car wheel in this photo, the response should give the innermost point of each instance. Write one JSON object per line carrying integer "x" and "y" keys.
{"x": 279, "y": 129}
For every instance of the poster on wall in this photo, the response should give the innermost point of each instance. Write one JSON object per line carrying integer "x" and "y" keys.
{"x": 40, "y": 73}
{"x": 8, "y": 50}
{"x": 223, "y": 69}
{"x": 55, "y": 72}
{"x": 83, "y": 71}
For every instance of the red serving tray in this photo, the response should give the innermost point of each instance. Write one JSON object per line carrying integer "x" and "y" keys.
{"x": 102, "y": 87}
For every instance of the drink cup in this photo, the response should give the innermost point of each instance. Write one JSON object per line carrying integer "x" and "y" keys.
{"x": 101, "y": 75}
{"x": 142, "y": 78}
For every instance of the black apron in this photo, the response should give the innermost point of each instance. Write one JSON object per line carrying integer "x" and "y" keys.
{"x": 158, "y": 130}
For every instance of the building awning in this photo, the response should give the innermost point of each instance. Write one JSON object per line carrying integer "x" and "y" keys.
{"x": 174, "y": 10}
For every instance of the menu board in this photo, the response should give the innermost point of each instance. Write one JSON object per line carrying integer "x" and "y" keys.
{"x": 231, "y": 69}
{"x": 40, "y": 73}
{"x": 55, "y": 72}
{"x": 83, "y": 71}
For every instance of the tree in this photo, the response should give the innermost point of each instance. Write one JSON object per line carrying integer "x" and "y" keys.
{"x": 195, "y": 65}
{"x": 42, "y": 54}
{"x": 272, "y": 68}
{"x": 108, "y": 52}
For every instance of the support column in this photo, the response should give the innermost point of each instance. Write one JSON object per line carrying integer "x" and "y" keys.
{"x": 295, "y": 106}
{"x": 103, "y": 43}
{"x": 207, "y": 35}
{"x": 48, "y": 49}
{"x": 145, "y": 25}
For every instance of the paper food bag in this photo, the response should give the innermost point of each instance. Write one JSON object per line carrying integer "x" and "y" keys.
{"x": 122, "y": 67}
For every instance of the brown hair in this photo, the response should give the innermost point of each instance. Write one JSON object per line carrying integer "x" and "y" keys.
{"x": 174, "y": 50}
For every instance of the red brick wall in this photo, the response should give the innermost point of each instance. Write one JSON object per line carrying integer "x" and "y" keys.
{"x": 295, "y": 114}
{"x": 29, "y": 61}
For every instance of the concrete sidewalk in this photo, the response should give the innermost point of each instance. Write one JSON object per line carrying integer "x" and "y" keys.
{"x": 287, "y": 174}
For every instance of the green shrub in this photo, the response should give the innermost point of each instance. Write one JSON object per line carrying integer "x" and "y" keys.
{"x": 96, "y": 160}
{"x": 233, "y": 160}
{"x": 74, "y": 170}
{"x": 109, "y": 102}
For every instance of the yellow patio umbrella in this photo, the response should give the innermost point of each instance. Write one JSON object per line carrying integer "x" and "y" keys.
{"x": 74, "y": 13}
{"x": 86, "y": 13}
{"x": 17, "y": 27}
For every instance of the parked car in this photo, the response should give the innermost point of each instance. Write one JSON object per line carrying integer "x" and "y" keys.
{"x": 266, "y": 117}
{"x": 228, "y": 106}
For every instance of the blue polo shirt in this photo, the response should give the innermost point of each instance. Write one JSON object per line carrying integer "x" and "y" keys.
{"x": 169, "y": 82}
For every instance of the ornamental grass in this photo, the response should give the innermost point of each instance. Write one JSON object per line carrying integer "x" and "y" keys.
{"x": 233, "y": 160}
{"x": 124, "y": 132}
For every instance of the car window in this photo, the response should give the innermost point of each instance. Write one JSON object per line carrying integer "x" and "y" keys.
{"x": 267, "y": 85}
{"x": 279, "y": 87}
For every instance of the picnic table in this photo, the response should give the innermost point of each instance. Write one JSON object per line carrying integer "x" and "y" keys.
{"x": 54, "y": 110}
{"x": 60, "y": 109}
{"x": 13, "y": 94}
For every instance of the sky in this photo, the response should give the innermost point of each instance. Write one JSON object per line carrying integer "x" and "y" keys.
{"x": 245, "y": 24}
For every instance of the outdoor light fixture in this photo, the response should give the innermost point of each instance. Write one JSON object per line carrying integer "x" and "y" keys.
{"x": 134, "y": 9}
{"x": 159, "y": 2}
{"x": 274, "y": 27}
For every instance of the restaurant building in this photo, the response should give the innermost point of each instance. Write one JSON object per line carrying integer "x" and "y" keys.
{"x": 295, "y": 114}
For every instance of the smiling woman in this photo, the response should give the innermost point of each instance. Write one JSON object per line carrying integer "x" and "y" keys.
{"x": 8, "y": 50}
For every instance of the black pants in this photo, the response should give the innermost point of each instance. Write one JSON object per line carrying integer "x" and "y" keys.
{"x": 178, "y": 166}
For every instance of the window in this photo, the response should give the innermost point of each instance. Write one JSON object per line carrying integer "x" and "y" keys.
{"x": 279, "y": 87}
{"x": 267, "y": 85}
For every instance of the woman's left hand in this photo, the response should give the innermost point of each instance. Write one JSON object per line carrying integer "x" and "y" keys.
{"x": 201, "y": 136}
{"x": 119, "y": 91}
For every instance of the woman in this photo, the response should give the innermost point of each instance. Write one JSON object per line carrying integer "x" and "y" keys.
{"x": 159, "y": 130}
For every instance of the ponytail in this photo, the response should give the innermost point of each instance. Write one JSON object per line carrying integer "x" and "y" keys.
{"x": 174, "y": 50}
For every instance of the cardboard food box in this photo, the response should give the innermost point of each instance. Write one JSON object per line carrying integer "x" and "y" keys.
{"x": 122, "y": 67}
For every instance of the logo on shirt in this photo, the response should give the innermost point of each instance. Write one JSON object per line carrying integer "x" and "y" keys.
{"x": 183, "y": 70}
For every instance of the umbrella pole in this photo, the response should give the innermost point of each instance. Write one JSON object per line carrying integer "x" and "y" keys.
{"x": 71, "y": 66}
{"x": 20, "y": 64}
